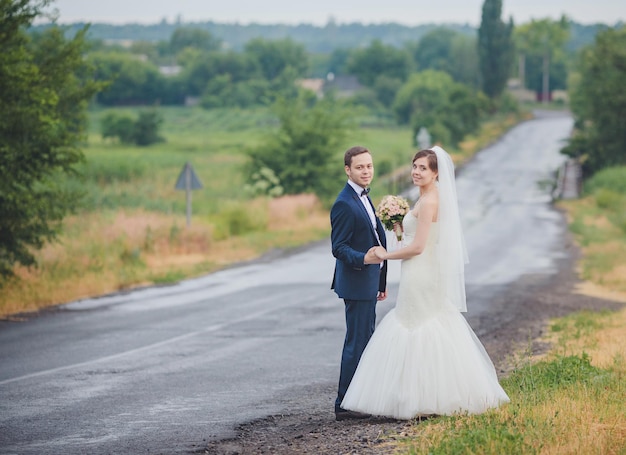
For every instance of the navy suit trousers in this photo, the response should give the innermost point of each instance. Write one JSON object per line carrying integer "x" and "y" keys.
{"x": 360, "y": 324}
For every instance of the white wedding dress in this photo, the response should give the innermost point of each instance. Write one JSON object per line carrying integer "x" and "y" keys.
{"x": 423, "y": 358}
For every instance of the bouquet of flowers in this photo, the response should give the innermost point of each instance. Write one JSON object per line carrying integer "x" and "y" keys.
{"x": 391, "y": 211}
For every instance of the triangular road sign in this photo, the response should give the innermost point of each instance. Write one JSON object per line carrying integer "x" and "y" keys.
{"x": 188, "y": 180}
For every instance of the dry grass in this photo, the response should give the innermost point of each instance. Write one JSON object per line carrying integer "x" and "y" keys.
{"x": 104, "y": 252}
{"x": 591, "y": 420}
{"x": 603, "y": 346}
{"x": 295, "y": 212}
{"x": 547, "y": 415}
{"x": 489, "y": 132}
{"x": 602, "y": 243}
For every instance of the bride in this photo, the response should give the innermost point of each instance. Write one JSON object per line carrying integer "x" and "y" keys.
{"x": 424, "y": 358}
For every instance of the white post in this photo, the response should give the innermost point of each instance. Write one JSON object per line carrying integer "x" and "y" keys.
{"x": 188, "y": 190}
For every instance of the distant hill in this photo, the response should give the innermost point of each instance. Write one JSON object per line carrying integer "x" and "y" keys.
{"x": 322, "y": 39}
{"x": 317, "y": 39}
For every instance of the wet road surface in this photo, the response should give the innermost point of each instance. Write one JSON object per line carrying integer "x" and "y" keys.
{"x": 165, "y": 369}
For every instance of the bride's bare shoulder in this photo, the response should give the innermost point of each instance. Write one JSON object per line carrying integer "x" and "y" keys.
{"x": 426, "y": 206}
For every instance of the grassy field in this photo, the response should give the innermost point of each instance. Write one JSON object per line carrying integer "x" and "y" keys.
{"x": 598, "y": 221}
{"x": 131, "y": 228}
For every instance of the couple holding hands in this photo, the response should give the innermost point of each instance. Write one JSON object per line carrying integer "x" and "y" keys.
{"x": 423, "y": 359}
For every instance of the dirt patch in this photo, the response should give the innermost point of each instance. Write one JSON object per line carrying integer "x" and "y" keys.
{"x": 305, "y": 434}
{"x": 517, "y": 323}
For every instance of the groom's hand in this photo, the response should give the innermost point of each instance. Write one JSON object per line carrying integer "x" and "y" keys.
{"x": 371, "y": 258}
{"x": 380, "y": 252}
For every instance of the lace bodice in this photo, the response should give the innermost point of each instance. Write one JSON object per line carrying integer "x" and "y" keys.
{"x": 409, "y": 226}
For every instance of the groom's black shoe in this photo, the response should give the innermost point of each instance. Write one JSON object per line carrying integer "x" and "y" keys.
{"x": 344, "y": 414}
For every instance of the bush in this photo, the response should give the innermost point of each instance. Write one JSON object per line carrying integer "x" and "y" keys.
{"x": 237, "y": 220}
{"x": 609, "y": 200}
{"x": 264, "y": 182}
{"x": 302, "y": 153}
{"x": 146, "y": 130}
{"x": 118, "y": 126}
{"x": 612, "y": 178}
{"x": 598, "y": 101}
{"x": 431, "y": 99}
{"x": 383, "y": 167}
{"x": 142, "y": 131}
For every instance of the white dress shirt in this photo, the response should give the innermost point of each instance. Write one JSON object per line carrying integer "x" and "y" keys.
{"x": 368, "y": 206}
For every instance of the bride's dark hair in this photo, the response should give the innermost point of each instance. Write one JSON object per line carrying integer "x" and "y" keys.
{"x": 432, "y": 158}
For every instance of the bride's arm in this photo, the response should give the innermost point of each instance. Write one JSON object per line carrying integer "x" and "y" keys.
{"x": 425, "y": 214}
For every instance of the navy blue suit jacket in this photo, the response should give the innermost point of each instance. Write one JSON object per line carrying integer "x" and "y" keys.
{"x": 352, "y": 235}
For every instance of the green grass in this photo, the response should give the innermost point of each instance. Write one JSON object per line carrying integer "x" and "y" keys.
{"x": 561, "y": 404}
{"x": 118, "y": 176}
{"x": 123, "y": 177}
{"x": 612, "y": 179}
{"x": 214, "y": 142}
{"x": 598, "y": 222}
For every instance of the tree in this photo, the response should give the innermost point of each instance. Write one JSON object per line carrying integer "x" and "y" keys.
{"x": 142, "y": 131}
{"x": 542, "y": 40}
{"x": 464, "y": 57}
{"x": 598, "y": 100}
{"x": 132, "y": 81}
{"x": 495, "y": 49}
{"x": 302, "y": 155}
{"x": 207, "y": 66}
{"x": 118, "y": 126}
{"x": 447, "y": 50}
{"x": 377, "y": 60}
{"x": 338, "y": 61}
{"x": 274, "y": 57}
{"x": 386, "y": 88}
{"x": 433, "y": 50}
{"x": 448, "y": 109}
{"x": 544, "y": 74}
{"x": 147, "y": 128}
{"x": 196, "y": 38}
{"x": 44, "y": 91}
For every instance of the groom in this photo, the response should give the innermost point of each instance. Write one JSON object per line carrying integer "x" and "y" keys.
{"x": 360, "y": 279}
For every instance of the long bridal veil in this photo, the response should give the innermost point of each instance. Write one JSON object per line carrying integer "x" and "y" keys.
{"x": 452, "y": 250}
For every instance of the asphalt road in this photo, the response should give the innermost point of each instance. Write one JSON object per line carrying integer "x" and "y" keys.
{"x": 165, "y": 369}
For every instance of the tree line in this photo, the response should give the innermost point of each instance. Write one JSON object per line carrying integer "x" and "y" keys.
{"x": 316, "y": 39}
{"x": 470, "y": 72}
{"x": 220, "y": 75}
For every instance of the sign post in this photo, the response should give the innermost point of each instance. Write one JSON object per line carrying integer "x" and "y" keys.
{"x": 423, "y": 138}
{"x": 188, "y": 181}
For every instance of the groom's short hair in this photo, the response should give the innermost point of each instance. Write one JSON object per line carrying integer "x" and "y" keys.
{"x": 353, "y": 151}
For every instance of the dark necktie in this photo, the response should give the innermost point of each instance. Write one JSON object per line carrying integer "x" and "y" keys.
{"x": 365, "y": 192}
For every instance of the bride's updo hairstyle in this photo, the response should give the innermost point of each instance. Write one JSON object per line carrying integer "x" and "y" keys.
{"x": 432, "y": 159}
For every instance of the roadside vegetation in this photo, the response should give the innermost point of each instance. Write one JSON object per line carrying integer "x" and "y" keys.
{"x": 130, "y": 229}
{"x": 569, "y": 401}
{"x": 598, "y": 221}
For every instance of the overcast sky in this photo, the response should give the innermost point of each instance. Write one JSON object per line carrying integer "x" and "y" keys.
{"x": 318, "y": 12}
